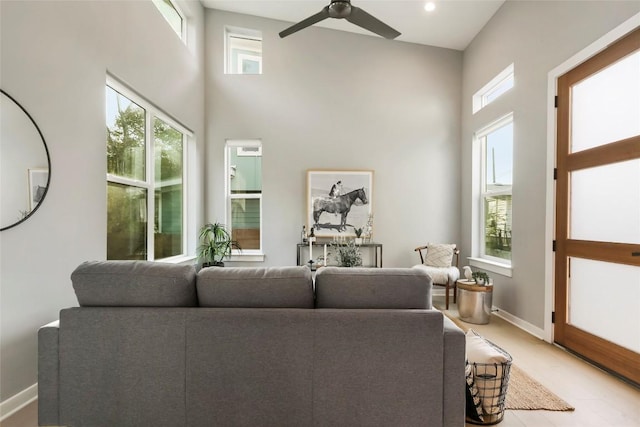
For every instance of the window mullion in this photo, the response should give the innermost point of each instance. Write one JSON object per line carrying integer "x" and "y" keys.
{"x": 150, "y": 174}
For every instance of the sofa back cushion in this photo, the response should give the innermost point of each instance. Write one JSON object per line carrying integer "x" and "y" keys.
{"x": 263, "y": 287}
{"x": 387, "y": 288}
{"x": 134, "y": 284}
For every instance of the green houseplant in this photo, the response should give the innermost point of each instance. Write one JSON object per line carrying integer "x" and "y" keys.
{"x": 481, "y": 278}
{"x": 348, "y": 254}
{"x": 215, "y": 244}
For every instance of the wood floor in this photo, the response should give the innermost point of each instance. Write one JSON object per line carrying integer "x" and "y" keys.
{"x": 600, "y": 399}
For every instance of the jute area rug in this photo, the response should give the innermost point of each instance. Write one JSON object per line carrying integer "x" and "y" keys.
{"x": 524, "y": 392}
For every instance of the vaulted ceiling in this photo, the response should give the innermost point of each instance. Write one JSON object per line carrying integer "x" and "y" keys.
{"x": 453, "y": 24}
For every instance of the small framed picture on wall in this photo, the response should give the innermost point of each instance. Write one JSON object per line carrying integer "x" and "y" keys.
{"x": 37, "y": 186}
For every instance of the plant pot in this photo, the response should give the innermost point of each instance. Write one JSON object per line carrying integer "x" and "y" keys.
{"x": 358, "y": 240}
{"x": 213, "y": 264}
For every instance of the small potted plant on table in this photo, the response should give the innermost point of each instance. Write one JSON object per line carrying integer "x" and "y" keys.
{"x": 481, "y": 278}
{"x": 358, "y": 238}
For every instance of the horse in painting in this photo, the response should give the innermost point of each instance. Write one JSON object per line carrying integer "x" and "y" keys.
{"x": 338, "y": 205}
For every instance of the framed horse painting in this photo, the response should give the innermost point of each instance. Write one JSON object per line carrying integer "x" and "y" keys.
{"x": 338, "y": 201}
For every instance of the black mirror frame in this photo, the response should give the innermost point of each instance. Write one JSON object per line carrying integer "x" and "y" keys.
{"x": 46, "y": 150}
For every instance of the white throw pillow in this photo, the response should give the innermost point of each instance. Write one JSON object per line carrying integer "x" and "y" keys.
{"x": 439, "y": 255}
{"x": 479, "y": 350}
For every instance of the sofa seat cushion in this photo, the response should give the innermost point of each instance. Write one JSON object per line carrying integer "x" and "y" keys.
{"x": 382, "y": 288}
{"x": 134, "y": 284}
{"x": 264, "y": 287}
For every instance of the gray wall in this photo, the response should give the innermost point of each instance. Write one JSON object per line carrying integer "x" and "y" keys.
{"x": 537, "y": 37}
{"x": 337, "y": 100}
{"x": 55, "y": 56}
{"x": 327, "y": 100}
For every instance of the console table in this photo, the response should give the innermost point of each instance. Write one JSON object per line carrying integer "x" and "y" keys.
{"x": 319, "y": 248}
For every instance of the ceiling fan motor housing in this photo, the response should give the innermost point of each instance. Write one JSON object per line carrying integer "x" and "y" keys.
{"x": 340, "y": 9}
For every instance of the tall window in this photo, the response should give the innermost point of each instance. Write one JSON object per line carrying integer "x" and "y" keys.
{"x": 145, "y": 179}
{"x": 496, "y": 142}
{"x": 243, "y": 51}
{"x": 244, "y": 194}
{"x": 173, "y": 16}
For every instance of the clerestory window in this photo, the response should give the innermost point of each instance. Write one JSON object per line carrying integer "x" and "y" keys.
{"x": 173, "y": 15}
{"x": 243, "y": 51}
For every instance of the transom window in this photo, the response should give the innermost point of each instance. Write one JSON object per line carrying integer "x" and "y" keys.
{"x": 243, "y": 51}
{"x": 499, "y": 85}
{"x": 173, "y": 16}
{"x": 244, "y": 195}
{"x": 146, "y": 153}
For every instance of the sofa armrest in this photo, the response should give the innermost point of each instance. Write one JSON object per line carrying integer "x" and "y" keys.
{"x": 48, "y": 379}
{"x": 454, "y": 379}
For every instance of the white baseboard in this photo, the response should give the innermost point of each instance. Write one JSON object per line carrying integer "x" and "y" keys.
{"x": 522, "y": 324}
{"x": 516, "y": 321}
{"x": 18, "y": 401}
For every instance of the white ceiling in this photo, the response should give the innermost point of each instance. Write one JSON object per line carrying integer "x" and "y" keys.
{"x": 453, "y": 24}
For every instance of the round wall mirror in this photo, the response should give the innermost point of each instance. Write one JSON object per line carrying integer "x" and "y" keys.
{"x": 25, "y": 165}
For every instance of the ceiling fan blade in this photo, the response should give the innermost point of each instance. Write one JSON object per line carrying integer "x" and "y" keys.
{"x": 314, "y": 19}
{"x": 368, "y": 22}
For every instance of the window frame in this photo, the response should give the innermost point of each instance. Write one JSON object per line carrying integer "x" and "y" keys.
{"x": 151, "y": 112}
{"x": 482, "y": 259}
{"x": 230, "y": 171}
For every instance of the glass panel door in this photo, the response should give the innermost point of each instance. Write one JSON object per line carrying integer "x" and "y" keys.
{"x": 597, "y": 268}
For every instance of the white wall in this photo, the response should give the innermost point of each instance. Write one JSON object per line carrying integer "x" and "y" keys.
{"x": 337, "y": 100}
{"x": 55, "y": 56}
{"x": 537, "y": 37}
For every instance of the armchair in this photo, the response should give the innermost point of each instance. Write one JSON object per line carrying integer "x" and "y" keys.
{"x": 440, "y": 261}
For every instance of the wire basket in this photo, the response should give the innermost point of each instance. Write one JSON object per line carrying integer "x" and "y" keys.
{"x": 492, "y": 381}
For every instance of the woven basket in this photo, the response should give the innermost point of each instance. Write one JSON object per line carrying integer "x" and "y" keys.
{"x": 492, "y": 380}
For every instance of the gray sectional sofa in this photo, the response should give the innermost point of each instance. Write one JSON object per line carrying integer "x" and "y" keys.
{"x": 154, "y": 344}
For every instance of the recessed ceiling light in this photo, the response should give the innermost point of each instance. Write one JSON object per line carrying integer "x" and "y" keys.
{"x": 430, "y": 6}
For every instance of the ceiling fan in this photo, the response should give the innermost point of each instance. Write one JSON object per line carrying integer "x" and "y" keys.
{"x": 342, "y": 9}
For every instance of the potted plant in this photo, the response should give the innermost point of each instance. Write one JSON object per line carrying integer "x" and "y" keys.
{"x": 216, "y": 244}
{"x": 358, "y": 232}
{"x": 481, "y": 278}
{"x": 348, "y": 254}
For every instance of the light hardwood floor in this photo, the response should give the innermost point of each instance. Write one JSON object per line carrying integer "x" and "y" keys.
{"x": 600, "y": 399}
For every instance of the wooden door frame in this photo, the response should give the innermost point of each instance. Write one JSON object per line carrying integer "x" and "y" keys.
{"x": 599, "y": 350}
{"x": 550, "y": 213}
